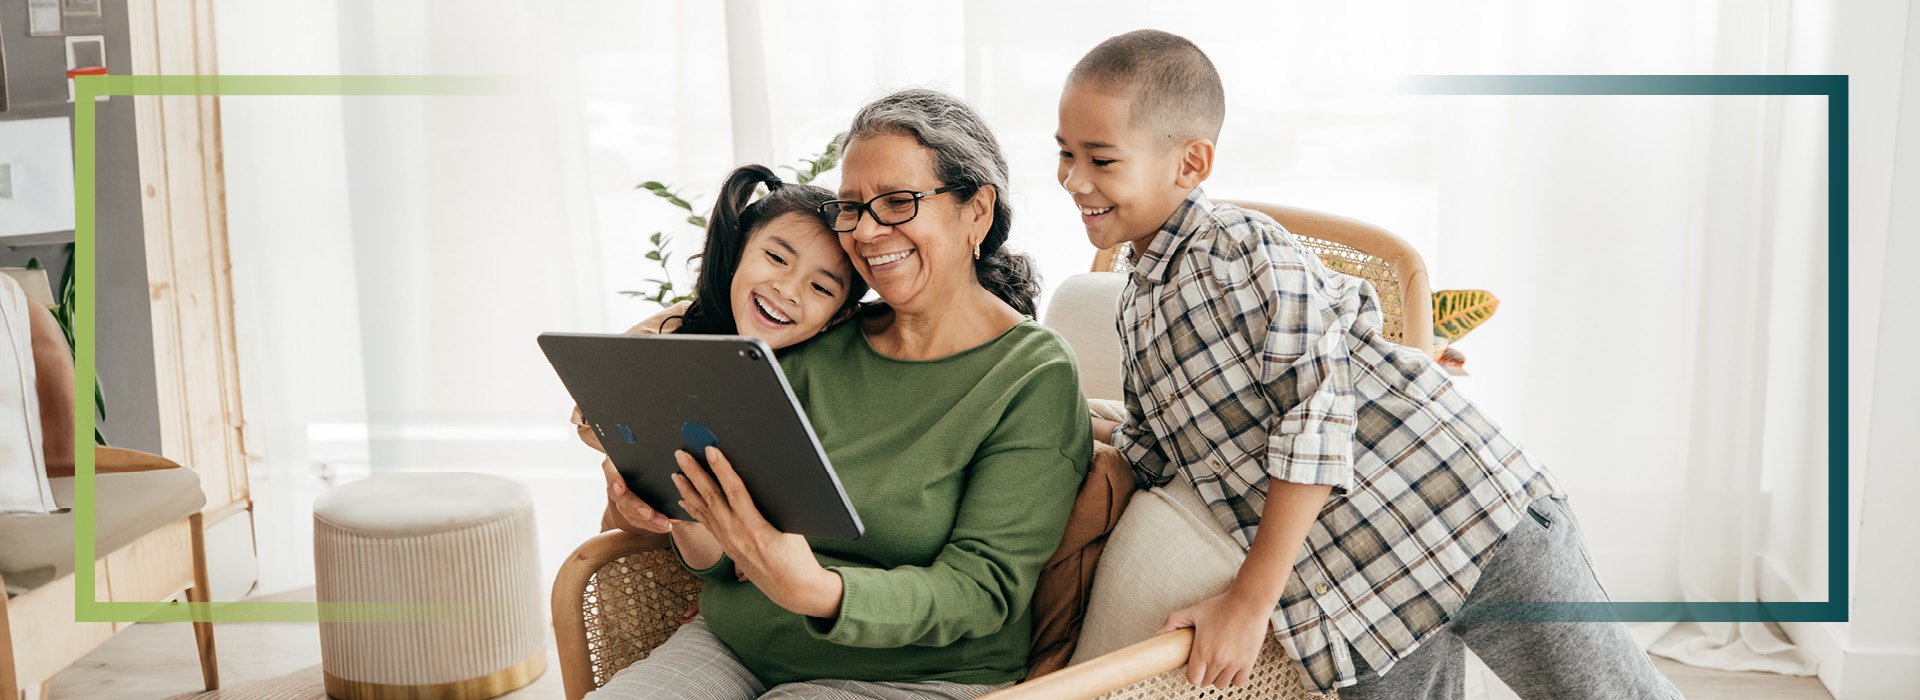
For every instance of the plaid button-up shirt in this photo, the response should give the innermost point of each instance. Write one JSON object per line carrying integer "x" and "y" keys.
{"x": 1247, "y": 359}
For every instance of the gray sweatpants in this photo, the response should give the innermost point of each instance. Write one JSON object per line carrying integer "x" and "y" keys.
{"x": 693, "y": 663}
{"x": 1544, "y": 558}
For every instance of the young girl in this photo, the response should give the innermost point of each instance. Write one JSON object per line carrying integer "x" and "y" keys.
{"x": 771, "y": 270}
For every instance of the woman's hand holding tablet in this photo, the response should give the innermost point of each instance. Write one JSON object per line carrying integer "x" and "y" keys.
{"x": 782, "y": 565}
{"x": 633, "y": 510}
{"x": 697, "y": 545}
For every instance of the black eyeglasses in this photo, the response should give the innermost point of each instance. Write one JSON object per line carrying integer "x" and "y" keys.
{"x": 890, "y": 209}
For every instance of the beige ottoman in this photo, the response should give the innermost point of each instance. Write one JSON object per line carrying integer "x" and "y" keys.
{"x": 464, "y": 539}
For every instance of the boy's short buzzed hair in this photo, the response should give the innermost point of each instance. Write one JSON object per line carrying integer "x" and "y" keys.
{"x": 1176, "y": 93}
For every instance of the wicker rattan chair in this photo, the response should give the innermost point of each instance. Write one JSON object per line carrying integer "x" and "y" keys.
{"x": 621, "y": 594}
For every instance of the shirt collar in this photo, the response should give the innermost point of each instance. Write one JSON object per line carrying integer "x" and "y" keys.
{"x": 1163, "y": 253}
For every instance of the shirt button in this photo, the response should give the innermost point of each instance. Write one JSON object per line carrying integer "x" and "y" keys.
{"x": 1320, "y": 588}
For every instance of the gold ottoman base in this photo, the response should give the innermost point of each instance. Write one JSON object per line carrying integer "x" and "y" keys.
{"x": 497, "y": 683}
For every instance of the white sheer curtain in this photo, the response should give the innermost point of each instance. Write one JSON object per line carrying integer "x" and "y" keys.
{"x": 1660, "y": 259}
{"x": 396, "y": 256}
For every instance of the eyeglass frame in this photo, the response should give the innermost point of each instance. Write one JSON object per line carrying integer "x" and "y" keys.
{"x": 866, "y": 208}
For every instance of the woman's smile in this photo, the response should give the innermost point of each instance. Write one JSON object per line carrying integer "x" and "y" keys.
{"x": 882, "y": 263}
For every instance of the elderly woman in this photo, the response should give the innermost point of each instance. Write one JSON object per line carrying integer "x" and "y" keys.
{"x": 956, "y": 425}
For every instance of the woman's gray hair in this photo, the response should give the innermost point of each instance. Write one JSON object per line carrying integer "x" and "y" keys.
{"x": 966, "y": 154}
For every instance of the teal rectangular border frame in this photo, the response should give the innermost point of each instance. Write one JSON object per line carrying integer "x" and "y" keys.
{"x": 86, "y": 607}
{"x": 1834, "y": 88}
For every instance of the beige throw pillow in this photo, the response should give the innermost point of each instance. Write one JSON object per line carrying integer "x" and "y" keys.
{"x": 1167, "y": 553}
{"x": 24, "y": 487}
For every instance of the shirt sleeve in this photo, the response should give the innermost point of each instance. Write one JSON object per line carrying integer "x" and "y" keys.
{"x": 1020, "y": 487}
{"x": 1134, "y": 438}
{"x": 1137, "y": 442}
{"x": 1305, "y": 367}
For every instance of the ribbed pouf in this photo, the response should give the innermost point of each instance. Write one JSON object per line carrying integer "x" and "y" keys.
{"x": 446, "y": 538}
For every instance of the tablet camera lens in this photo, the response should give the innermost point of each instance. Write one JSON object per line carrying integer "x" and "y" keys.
{"x": 753, "y": 354}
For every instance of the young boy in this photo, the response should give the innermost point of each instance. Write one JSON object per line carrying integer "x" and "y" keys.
{"x": 1262, "y": 377}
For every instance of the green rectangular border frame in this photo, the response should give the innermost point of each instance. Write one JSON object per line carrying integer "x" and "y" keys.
{"x": 88, "y": 609}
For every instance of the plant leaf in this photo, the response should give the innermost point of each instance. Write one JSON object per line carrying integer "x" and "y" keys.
{"x": 820, "y": 162}
{"x": 653, "y": 255}
{"x": 699, "y": 221}
{"x": 655, "y": 238}
{"x": 33, "y": 263}
{"x": 661, "y": 191}
{"x": 1456, "y": 312}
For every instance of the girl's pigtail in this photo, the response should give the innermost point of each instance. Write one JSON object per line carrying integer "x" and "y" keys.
{"x": 728, "y": 228}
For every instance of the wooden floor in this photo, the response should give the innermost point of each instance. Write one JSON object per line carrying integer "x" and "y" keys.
{"x": 1695, "y": 683}
{"x": 152, "y": 661}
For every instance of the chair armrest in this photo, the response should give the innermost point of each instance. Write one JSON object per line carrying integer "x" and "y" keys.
{"x": 1109, "y": 672}
{"x": 617, "y": 596}
{"x": 1152, "y": 669}
{"x": 115, "y": 460}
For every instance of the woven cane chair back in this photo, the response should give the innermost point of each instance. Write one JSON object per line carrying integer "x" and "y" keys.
{"x": 1352, "y": 247}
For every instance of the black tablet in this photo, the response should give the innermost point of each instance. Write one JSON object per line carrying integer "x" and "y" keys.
{"x": 648, "y": 395}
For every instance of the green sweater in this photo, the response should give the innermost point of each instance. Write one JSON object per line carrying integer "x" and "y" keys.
{"x": 962, "y": 469}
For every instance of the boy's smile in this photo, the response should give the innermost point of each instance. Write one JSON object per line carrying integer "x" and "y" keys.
{"x": 1122, "y": 178}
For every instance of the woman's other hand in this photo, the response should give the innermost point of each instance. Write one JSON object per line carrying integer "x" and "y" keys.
{"x": 697, "y": 546}
{"x": 634, "y": 512}
{"x": 782, "y": 565}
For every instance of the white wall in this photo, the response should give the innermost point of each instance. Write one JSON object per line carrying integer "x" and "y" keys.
{"x": 1884, "y": 636}
{"x": 1877, "y": 653}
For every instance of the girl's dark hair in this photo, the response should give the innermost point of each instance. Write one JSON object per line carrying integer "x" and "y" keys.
{"x": 965, "y": 153}
{"x": 736, "y": 215}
